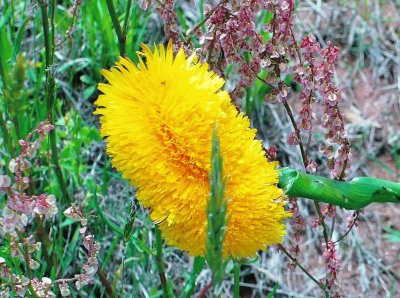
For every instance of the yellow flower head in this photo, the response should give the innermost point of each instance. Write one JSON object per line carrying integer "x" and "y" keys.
{"x": 158, "y": 118}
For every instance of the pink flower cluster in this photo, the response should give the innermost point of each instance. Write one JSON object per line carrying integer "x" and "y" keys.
{"x": 92, "y": 247}
{"x": 315, "y": 74}
{"x": 21, "y": 210}
{"x": 21, "y": 282}
{"x": 329, "y": 210}
{"x": 332, "y": 265}
{"x": 21, "y": 207}
{"x": 165, "y": 9}
{"x": 304, "y": 73}
{"x": 43, "y": 287}
{"x": 232, "y": 37}
{"x": 298, "y": 224}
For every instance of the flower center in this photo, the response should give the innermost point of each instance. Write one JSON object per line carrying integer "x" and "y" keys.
{"x": 180, "y": 157}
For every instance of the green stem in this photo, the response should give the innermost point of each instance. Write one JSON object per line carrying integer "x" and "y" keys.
{"x": 6, "y": 136}
{"x": 118, "y": 30}
{"x": 127, "y": 13}
{"x": 160, "y": 263}
{"x": 353, "y": 195}
{"x": 198, "y": 265}
{"x": 236, "y": 279}
{"x": 50, "y": 86}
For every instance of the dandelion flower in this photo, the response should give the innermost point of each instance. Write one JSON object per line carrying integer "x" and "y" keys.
{"x": 158, "y": 118}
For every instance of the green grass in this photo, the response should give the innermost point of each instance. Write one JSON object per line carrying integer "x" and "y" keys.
{"x": 79, "y": 56}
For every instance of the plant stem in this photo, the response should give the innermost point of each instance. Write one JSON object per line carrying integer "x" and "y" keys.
{"x": 353, "y": 195}
{"x": 193, "y": 31}
{"x": 127, "y": 13}
{"x": 46, "y": 244}
{"x": 293, "y": 121}
{"x": 160, "y": 263}
{"x": 198, "y": 265}
{"x": 50, "y": 86}
{"x": 294, "y": 260}
{"x": 105, "y": 282}
{"x": 204, "y": 291}
{"x": 236, "y": 279}
{"x": 114, "y": 18}
{"x": 356, "y": 215}
{"x": 324, "y": 226}
{"x": 6, "y": 136}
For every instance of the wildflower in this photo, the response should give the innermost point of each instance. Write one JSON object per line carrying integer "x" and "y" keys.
{"x": 91, "y": 266}
{"x": 64, "y": 289}
{"x": 82, "y": 280}
{"x": 293, "y": 139}
{"x": 33, "y": 264}
{"x": 158, "y": 119}
{"x": 74, "y": 214}
{"x": 46, "y": 205}
{"x": 13, "y": 165}
{"x": 43, "y": 288}
{"x": 332, "y": 265}
{"x": 12, "y": 221}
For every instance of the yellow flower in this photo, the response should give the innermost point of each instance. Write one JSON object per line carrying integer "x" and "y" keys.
{"x": 158, "y": 119}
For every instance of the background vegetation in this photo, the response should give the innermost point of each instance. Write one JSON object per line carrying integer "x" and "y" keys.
{"x": 51, "y": 72}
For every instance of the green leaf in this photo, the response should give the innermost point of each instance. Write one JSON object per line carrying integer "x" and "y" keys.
{"x": 89, "y": 91}
{"x": 18, "y": 40}
{"x": 198, "y": 266}
{"x": 5, "y": 16}
{"x": 87, "y": 80}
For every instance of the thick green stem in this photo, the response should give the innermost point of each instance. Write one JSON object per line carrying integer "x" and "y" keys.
{"x": 353, "y": 195}
{"x": 216, "y": 216}
{"x": 50, "y": 86}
